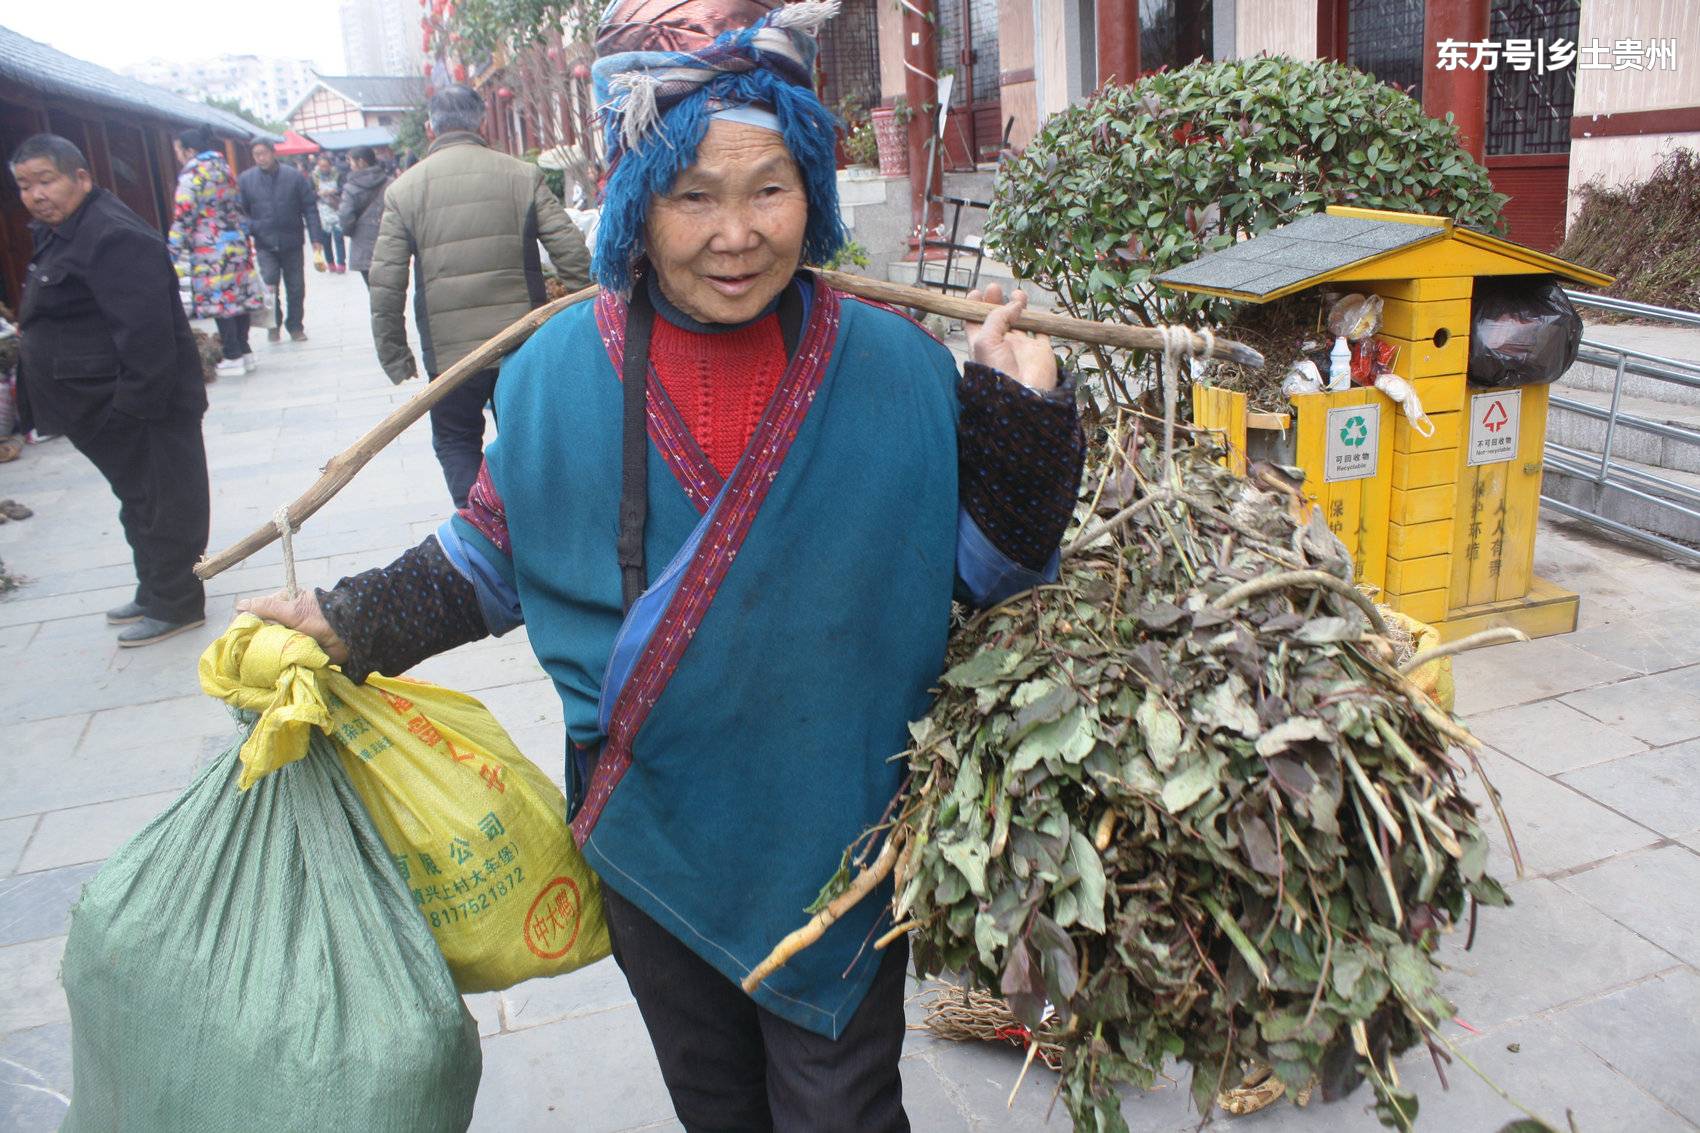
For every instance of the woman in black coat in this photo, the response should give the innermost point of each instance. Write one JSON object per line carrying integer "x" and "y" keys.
{"x": 362, "y": 206}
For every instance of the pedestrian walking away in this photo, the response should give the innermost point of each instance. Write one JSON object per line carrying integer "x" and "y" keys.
{"x": 108, "y": 360}
{"x": 362, "y": 208}
{"x": 692, "y": 506}
{"x": 209, "y": 241}
{"x": 283, "y": 212}
{"x": 327, "y": 186}
{"x": 469, "y": 220}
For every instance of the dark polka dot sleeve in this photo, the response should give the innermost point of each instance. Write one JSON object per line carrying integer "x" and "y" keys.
{"x": 394, "y": 617}
{"x": 1019, "y": 454}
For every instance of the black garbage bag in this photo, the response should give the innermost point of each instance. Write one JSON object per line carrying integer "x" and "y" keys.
{"x": 1523, "y": 332}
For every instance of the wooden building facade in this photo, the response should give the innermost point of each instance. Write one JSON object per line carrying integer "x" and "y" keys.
{"x": 124, "y": 128}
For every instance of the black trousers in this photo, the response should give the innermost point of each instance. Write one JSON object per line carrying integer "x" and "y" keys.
{"x": 733, "y": 1067}
{"x": 233, "y": 335}
{"x": 457, "y": 432}
{"x": 158, "y": 471}
{"x": 289, "y": 265}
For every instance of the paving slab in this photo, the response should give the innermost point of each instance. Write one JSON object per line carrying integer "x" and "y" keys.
{"x": 90, "y": 833}
{"x": 588, "y": 991}
{"x": 1659, "y": 789}
{"x": 1648, "y": 1033}
{"x": 174, "y": 718}
{"x": 1548, "y": 1071}
{"x": 473, "y": 670}
{"x": 1653, "y": 893}
{"x": 930, "y": 1102}
{"x": 1550, "y": 736}
{"x": 590, "y": 1074}
{"x": 14, "y": 836}
{"x": 1551, "y": 948}
{"x": 35, "y": 1077}
{"x": 47, "y": 743}
{"x": 526, "y": 705}
{"x": 486, "y": 1010}
{"x": 34, "y": 906}
{"x": 1528, "y": 670}
{"x": 13, "y": 640}
{"x": 980, "y": 1078}
{"x": 30, "y": 974}
{"x": 1557, "y": 827}
{"x": 1660, "y": 709}
{"x": 102, "y": 773}
{"x": 1650, "y": 643}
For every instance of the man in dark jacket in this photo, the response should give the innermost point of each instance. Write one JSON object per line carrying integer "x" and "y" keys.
{"x": 107, "y": 359}
{"x": 470, "y": 220}
{"x": 283, "y": 209}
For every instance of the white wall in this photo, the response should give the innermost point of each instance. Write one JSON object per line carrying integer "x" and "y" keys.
{"x": 1275, "y": 27}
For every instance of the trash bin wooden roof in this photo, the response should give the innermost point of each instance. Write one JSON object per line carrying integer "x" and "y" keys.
{"x": 1354, "y": 244}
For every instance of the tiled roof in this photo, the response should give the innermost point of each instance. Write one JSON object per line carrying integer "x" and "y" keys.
{"x": 1309, "y": 246}
{"x": 348, "y": 139}
{"x": 54, "y": 73}
{"x": 378, "y": 92}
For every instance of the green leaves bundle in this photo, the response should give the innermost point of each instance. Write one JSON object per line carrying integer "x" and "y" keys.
{"x": 1181, "y": 796}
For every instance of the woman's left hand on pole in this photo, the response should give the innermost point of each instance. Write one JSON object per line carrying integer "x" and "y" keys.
{"x": 1025, "y": 357}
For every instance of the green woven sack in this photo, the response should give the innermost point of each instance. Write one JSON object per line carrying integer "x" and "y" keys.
{"x": 251, "y": 961}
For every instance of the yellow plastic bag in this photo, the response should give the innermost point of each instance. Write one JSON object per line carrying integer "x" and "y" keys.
{"x": 1434, "y": 678}
{"x": 478, "y": 833}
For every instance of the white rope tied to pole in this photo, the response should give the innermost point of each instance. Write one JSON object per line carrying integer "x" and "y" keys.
{"x": 284, "y": 531}
{"x": 1178, "y": 342}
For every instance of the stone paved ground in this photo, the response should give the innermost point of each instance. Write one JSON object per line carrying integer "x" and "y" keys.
{"x": 1585, "y": 996}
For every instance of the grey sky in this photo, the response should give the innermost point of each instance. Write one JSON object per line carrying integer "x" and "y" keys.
{"x": 115, "y": 33}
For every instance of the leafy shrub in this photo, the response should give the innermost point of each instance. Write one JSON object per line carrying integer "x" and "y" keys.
{"x": 1647, "y": 235}
{"x": 1139, "y": 179}
{"x": 851, "y": 255}
{"x": 861, "y": 146}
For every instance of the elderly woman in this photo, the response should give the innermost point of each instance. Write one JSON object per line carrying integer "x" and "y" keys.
{"x": 732, "y": 507}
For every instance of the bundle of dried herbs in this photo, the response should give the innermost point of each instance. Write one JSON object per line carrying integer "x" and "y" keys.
{"x": 1183, "y": 797}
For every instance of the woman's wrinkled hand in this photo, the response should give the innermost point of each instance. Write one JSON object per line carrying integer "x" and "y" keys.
{"x": 1025, "y": 357}
{"x": 300, "y": 613}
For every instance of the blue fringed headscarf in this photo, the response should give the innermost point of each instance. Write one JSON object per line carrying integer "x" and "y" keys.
{"x": 656, "y": 106}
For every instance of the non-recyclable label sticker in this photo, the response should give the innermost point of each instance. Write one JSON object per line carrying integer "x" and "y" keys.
{"x": 1494, "y": 425}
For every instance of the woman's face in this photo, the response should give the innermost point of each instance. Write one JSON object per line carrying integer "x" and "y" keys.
{"x": 726, "y": 239}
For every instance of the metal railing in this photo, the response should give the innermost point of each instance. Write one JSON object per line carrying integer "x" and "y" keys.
{"x": 1601, "y": 469}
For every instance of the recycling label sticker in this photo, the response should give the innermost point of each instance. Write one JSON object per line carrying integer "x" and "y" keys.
{"x": 1353, "y": 451}
{"x": 1494, "y": 421}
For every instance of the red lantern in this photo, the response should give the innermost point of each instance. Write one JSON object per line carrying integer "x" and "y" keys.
{"x": 460, "y": 72}
{"x": 581, "y": 72}
{"x": 504, "y": 93}
{"x": 553, "y": 54}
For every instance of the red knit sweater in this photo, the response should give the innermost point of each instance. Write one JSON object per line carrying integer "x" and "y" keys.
{"x": 721, "y": 383}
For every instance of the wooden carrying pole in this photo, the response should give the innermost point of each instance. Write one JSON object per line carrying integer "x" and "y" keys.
{"x": 342, "y": 467}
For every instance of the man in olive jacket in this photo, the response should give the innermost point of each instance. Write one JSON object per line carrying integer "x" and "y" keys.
{"x": 470, "y": 220}
{"x": 106, "y": 358}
